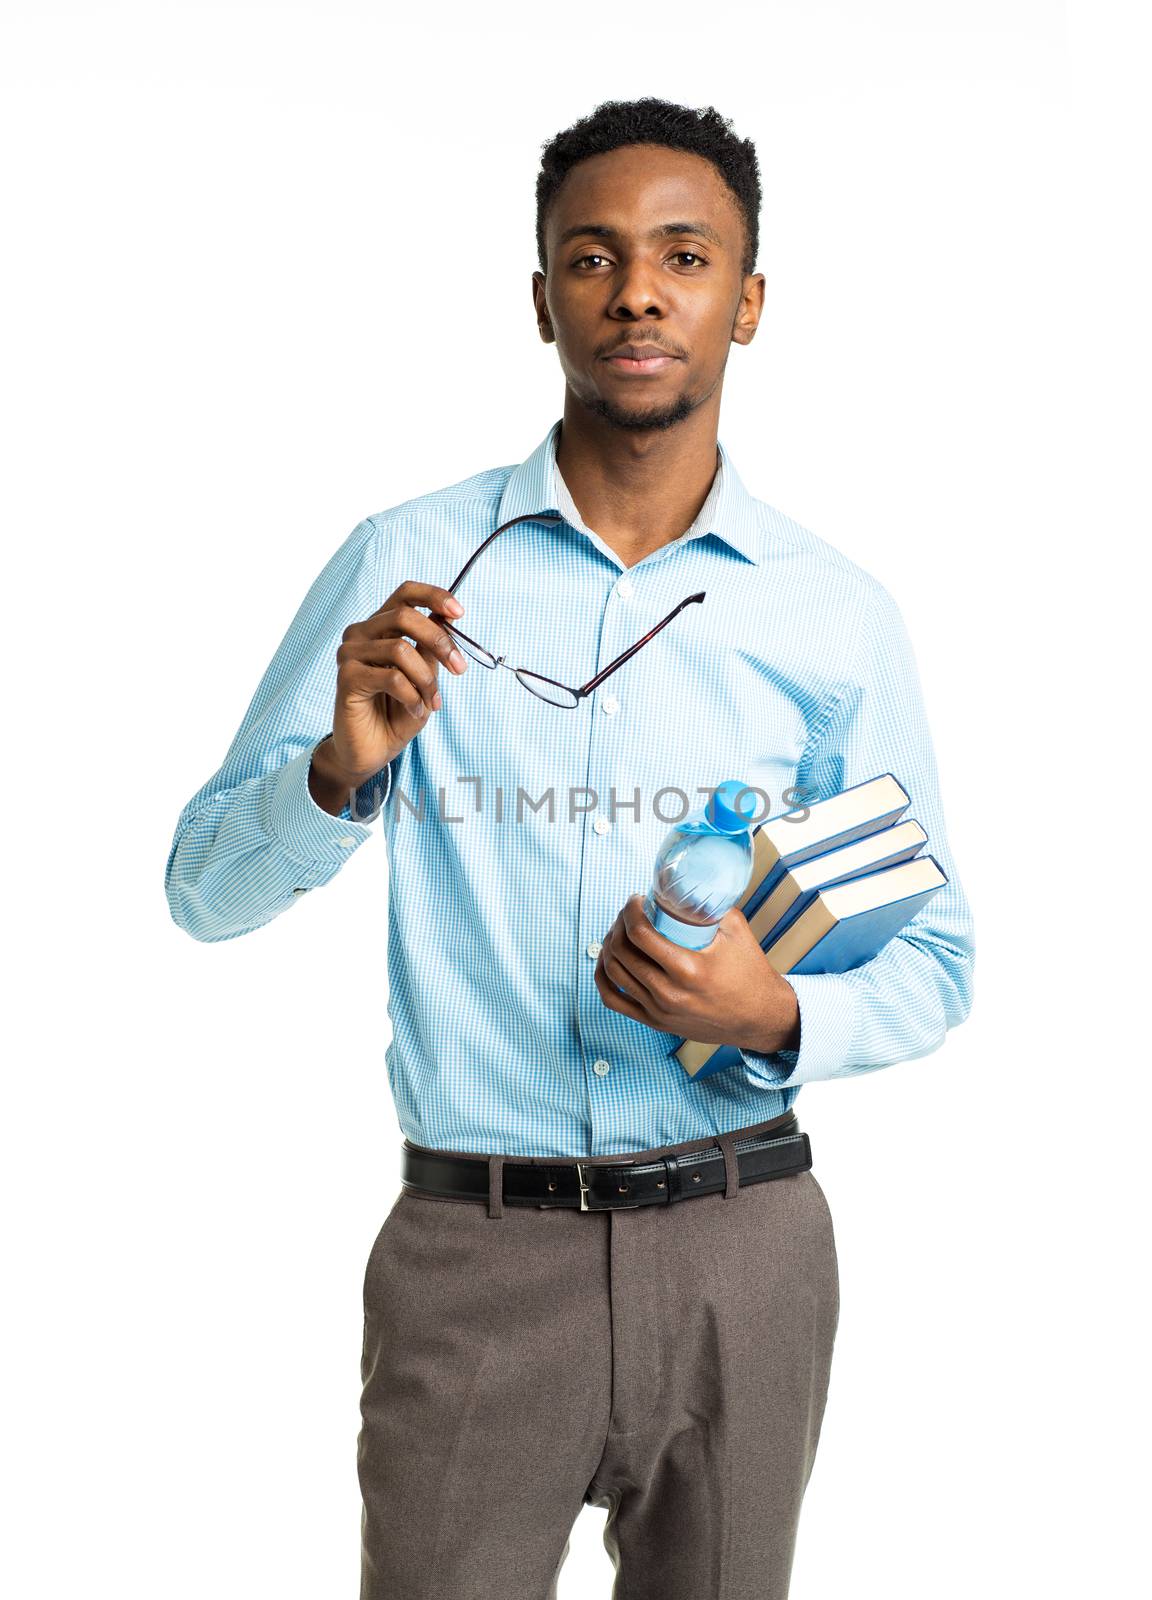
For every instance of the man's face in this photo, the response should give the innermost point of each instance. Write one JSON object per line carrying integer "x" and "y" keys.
{"x": 683, "y": 291}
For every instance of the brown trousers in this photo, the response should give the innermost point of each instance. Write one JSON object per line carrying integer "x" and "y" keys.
{"x": 668, "y": 1363}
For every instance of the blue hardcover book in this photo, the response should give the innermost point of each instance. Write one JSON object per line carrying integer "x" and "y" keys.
{"x": 786, "y": 841}
{"x": 797, "y": 889}
{"x": 844, "y": 926}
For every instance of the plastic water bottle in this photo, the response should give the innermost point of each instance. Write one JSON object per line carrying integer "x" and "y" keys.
{"x": 703, "y": 867}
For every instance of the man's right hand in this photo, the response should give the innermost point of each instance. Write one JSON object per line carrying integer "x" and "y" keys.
{"x": 386, "y": 687}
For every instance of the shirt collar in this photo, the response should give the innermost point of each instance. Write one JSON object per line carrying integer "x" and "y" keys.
{"x": 729, "y": 512}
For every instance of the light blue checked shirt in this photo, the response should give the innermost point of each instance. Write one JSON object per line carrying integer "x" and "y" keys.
{"x": 516, "y": 831}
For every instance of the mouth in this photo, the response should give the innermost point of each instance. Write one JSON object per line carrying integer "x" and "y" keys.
{"x": 624, "y": 362}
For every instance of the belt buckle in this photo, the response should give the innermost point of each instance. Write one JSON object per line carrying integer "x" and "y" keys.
{"x": 586, "y": 1190}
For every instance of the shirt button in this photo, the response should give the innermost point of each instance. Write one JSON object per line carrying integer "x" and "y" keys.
{"x": 347, "y": 841}
{"x": 299, "y": 891}
{"x": 601, "y": 1067}
{"x": 594, "y": 950}
{"x": 601, "y": 825}
{"x": 610, "y": 705}
{"x": 624, "y": 588}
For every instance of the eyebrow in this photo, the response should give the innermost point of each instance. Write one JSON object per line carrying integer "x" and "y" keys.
{"x": 666, "y": 230}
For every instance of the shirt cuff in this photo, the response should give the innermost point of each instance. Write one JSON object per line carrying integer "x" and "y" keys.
{"x": 371, "y": 797}
{"x": 306, "y": 831}
{"x": 829, "y": 1016}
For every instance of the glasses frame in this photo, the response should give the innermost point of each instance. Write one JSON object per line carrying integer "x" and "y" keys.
{"x": 502, "y": 661}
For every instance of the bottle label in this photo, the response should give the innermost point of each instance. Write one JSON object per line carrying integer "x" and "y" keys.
{"x": 690, "y": 935}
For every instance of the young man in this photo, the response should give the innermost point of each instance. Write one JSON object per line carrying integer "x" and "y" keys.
{"x": 603, "y": 1280}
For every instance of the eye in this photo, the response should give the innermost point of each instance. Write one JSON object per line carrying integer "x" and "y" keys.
{"x": 694, "y": 256}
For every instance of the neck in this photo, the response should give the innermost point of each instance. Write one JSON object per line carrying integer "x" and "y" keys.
{"x": 638, "y": 490}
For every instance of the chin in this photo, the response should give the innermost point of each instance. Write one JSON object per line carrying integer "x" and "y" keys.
{"x": 651, "y": 417}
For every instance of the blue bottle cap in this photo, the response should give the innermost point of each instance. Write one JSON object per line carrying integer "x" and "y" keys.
{"x": 731, "y": 807}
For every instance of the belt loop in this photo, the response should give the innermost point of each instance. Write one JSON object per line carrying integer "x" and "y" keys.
{"x": 727, "y": 1141}
{"x": 495, "y": 1186}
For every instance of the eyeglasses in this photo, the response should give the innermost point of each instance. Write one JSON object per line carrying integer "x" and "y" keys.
{"x": 556, "y": 694}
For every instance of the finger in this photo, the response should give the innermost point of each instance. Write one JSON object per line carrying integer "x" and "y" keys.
{"x": 613, "y": 999}
{"x": 367, "y": 681}
{"x": 621, "y": 971}
{"x": 412, "y": 660}
{"x": 639, "y": 966}
{"x": 660, "y": 951}
{"x": 425, "y": 594}
{"x": 424, "y": 654}
{"x": 406, "y": 620}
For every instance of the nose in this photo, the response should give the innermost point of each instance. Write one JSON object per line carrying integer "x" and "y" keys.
{"x": 638, "y": 293}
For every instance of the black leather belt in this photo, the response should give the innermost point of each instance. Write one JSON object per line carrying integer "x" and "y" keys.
{"x": 606, "y": 1185}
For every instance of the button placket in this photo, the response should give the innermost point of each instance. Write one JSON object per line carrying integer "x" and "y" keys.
{"x": 610, "y": 704}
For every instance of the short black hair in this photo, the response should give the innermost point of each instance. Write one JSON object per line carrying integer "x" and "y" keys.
{"x": 703, "y": 132}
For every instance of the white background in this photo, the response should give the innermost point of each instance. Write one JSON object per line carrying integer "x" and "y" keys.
{"x": 268, "y": 272}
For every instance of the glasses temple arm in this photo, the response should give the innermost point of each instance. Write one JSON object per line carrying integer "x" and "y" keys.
{"x": 595, "y": 682}
{"x": 528, "y": 516}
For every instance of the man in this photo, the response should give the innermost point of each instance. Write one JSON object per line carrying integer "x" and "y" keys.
{"x": 603, "y": 1281}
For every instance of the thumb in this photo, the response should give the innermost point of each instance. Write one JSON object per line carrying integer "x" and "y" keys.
{"x": 734, "y": 925}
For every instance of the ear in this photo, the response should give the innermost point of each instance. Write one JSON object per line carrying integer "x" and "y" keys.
{"x": 540, "y": 305}
{"x": 749, "y": 310}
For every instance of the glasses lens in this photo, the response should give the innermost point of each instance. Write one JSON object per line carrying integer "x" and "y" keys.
{"x": 476, "y": 651}
{"x": 555, "y": 693}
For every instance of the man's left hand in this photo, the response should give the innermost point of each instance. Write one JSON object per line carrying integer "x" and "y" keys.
{"x": 729, "y": 993}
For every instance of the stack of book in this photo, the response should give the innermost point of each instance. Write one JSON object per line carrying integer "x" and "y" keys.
{"x": 827, "y": 892}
